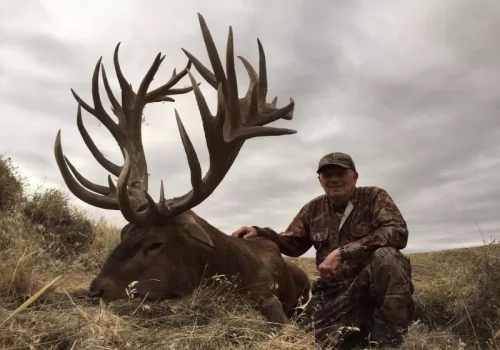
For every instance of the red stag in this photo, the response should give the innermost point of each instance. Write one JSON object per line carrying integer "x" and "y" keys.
{"x": 165, "y": 246}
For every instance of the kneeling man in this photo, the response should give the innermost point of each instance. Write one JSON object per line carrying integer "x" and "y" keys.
{"x": 365, "y": 281}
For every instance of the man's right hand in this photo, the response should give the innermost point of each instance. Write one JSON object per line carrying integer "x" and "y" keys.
{"x": 245, "y": 232}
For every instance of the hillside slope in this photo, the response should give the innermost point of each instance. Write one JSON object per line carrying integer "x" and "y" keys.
{"x": 43, "y": 237}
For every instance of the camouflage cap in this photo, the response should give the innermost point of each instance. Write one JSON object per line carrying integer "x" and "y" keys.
{"x": 336, "y": 158}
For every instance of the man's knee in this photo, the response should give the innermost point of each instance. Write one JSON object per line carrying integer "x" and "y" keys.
{"x": 390, "y": 268}
{"x": 389, "y": 259}
{"x": 382, "y": 255}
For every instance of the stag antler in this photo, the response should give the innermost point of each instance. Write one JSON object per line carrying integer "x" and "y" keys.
{"x": 236, "y": 120}
{"x": 127, "y": 133}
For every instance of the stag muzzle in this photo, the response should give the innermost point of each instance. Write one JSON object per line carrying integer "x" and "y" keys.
{"x": 95, "y": 289}
{"x": 105, "y": 288}
{"x": 95, "y": 293}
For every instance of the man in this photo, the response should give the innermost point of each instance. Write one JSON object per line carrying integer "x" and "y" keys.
{"x": 365, "y": 281}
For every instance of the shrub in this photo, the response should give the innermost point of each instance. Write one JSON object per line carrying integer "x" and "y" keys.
{"x": 12, "y": 185}
{"x": 459, "y": 291}
{"x": 66, "y": 230}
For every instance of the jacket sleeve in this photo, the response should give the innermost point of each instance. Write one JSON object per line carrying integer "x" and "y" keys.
{"x": 295, "y": 240}
{"x": 391, "y": 229}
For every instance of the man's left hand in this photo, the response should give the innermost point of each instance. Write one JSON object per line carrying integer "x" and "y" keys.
{"x": 329, "y": 266}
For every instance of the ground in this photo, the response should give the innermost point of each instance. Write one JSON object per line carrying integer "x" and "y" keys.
{"x": 43, "y": 238}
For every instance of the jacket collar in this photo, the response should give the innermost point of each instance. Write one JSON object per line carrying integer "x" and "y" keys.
{"x": 354, "y": 199}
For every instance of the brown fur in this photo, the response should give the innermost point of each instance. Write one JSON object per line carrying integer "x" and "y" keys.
{"x": 302, "y": 284}
{"x": 178, "y": 266}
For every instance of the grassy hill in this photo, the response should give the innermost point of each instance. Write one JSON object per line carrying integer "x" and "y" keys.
{"x": 42, "y": 237}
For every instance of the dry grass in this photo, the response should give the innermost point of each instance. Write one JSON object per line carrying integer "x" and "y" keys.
{"x": 458, "y": 292}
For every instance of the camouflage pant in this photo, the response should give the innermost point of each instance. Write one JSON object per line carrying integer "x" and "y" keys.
{"x": 377, "y": 301}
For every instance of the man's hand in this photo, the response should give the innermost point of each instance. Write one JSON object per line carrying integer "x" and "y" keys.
{"x": 329, "y": 266}
{"x": 245, "y": 232}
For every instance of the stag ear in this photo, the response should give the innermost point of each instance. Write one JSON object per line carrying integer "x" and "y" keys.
{"x": 125, "y": 231}
{"x": 189, "y": 227}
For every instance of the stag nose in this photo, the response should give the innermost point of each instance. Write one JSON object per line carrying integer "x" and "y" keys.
{"x": 96, "y": 293}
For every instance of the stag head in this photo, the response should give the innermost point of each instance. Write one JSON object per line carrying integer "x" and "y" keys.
{"x": 160, "y": 258}
{"x": 164, "y": 238}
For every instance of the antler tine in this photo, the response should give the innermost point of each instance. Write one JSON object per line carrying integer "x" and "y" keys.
{"x": 236, "y": 120}
{"x": 254, "y": 110}
{"x": 103, "y": 161}
{"x": 107, "y": 201}
{"x": 158, "y": 94}
{"x": 126, "y": 132}
{"x": 211, "y": 78}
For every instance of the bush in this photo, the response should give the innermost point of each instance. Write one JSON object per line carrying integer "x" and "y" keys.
{"x": 65, "y": 229}
{"x": 12, "y": 185}
{"x": 480, "y": 315}
{"x": 24, "y": 261}
{"x": 59, "y": 228}
{"x": 459, "y": 291}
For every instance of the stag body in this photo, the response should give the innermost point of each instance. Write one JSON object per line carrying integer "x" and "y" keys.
{"x": 166, "y": 247}
{"x": 167, "y": 263}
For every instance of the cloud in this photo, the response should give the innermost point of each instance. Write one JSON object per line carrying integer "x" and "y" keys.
{"x": 410, "y": 90}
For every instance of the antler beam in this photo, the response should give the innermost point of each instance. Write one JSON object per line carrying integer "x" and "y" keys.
{"x": 127, "y": 133}
{"x": 236, "y": 121}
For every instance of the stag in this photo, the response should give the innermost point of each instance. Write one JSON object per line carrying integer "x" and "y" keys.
{"x": 165, "y": 246}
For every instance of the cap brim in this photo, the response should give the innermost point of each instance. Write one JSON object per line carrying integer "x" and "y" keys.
{"x": 333, "y": 163}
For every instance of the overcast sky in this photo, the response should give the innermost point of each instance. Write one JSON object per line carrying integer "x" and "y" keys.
{"x": 411, "y": 89}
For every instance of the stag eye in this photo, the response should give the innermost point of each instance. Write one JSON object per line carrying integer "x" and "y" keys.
{"x": 152, "y": 247}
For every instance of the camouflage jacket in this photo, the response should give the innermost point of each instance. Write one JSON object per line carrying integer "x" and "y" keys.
{"x": 371, "y": 221}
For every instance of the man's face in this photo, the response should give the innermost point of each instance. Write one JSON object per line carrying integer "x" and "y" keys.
{"x": 338, "y": 182}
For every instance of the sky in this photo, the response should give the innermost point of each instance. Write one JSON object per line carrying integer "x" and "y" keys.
{"x": 410, "y": 89}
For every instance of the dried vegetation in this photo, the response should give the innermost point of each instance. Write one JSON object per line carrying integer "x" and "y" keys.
{"x": 43, "y": 237}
